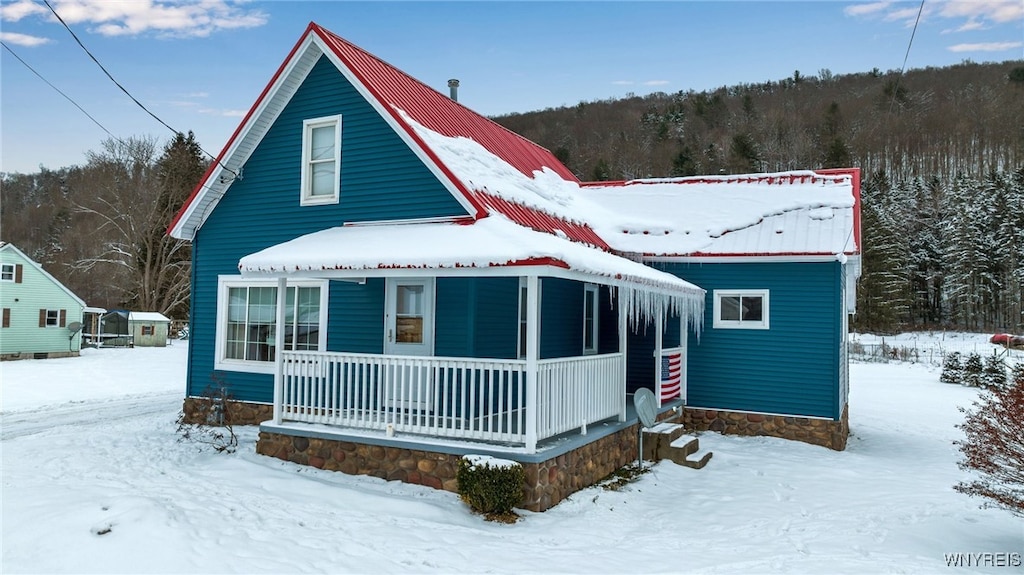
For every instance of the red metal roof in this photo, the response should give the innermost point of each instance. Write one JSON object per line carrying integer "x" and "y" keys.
{"x": 543, "y": 222}
{"x": 396, "y": 90}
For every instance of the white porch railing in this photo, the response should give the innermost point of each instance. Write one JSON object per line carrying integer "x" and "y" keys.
{"x": 462, "y": 398}
{"x": 575, "y": 392}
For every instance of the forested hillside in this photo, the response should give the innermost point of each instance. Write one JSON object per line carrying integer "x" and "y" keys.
{"x": 942, "y": 158}
{"x": 941, "y": 149}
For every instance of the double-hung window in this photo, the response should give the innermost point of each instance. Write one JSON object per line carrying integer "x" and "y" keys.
{"x": 7, "y": 272}
{"x": 590, "y": 300}
{"x": 247, "y": 322}
{"x": 741, "y": 309}
{"x": 321, "y": 161}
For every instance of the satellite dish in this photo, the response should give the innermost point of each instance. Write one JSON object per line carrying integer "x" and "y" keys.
{"x": 74, "y": 326}
{"x": 646, "y": 406}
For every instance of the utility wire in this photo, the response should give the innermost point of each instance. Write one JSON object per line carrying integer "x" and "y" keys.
{"x": 68, "y": 98}
{"x": 125, "y": 90}
{"x": 896, "y": 88}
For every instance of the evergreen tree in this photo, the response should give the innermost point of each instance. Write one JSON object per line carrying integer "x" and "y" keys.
{"x": 973, "y": 370}
{"x": 952, "y": 370}
{"x": 994, "y": 374}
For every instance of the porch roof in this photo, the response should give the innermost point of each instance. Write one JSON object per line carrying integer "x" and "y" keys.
{"x": 451, "y": 248}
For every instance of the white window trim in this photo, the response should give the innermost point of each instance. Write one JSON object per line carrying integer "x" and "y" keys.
{"x": 306, "y": 184}
{"x": 596, "y": 332}
{"x": 56, "y": 319}
{"x": 719, "y": 323}
{"x": 4, "y": 270}
{"x": 224, "y": 283}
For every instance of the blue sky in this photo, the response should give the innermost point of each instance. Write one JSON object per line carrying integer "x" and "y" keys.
{"x": 200, "y": 65}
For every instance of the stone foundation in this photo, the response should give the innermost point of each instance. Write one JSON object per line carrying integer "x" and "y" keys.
{"x": 200, "y": 410}
{"x": 40, "y": 355}
{"x": 824, "y": 432}
{"x": 547, "y": 482}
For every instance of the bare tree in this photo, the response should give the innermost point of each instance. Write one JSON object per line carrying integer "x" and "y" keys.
{"x": 135, "y": 196}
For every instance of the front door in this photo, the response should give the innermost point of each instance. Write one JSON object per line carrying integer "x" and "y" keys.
{"x": 409, "y": 331}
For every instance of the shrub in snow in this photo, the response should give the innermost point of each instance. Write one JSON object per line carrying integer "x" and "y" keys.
{"x": 995, "y": 372}
{"x": 973, "y": 370}
{"x": 491, "y": 486}
{"x": 216, "y": 429}
{"x": 994, "y": 446}
{"x": 952, "y": 369}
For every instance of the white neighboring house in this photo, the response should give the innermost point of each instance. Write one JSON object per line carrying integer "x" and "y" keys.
{"x": 41, "y": 317}
{"x": 148, "y": 328}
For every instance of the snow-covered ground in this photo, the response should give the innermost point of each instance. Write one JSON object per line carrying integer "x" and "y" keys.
{"x": 929, "y": 347}
{"x": 94, "y": 481}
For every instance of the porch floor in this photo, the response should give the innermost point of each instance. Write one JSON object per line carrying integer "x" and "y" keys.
{"x": 546, "y": 449}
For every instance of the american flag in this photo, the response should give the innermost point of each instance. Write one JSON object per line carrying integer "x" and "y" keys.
{"x": 671, "y": 374}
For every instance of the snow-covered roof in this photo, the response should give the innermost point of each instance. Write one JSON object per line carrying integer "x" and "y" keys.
{"x": 495, "y": 241}
{"x": 790, "y": 213}
{"x": 147, "y": 316}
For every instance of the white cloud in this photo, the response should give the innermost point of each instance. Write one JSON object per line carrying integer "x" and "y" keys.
{"x": 23, "y": 39}
{"x": 985, "y": 47}
{"x": 975, "y": 13}
{"x": 622, "y": 82}
{"x": 169, "y": 18}
{"x": 14, "y": 11}
{"x": 656, "y": 83}
{"x": 866, "y": 9}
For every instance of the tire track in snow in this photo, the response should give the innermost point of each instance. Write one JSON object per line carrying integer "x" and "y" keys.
{"x": 98, "y": 412}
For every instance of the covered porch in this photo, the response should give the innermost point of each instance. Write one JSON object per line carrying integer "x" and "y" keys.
{"x": 518, "y": 403}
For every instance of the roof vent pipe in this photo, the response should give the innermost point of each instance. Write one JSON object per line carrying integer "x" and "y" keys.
{"x": 453, "y": 89}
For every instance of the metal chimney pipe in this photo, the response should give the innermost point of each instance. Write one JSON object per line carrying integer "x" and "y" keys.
{"x": 453, "y": 89}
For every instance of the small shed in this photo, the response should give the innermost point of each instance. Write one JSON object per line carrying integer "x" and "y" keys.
{"x": 148, "y": 328}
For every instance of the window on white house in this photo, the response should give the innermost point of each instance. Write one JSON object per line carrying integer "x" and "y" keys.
{"x": 7, "y": 272}
{"x": 321, "y": 161}
{"x": 247, "y": 319}
{"x": 741, "y": 309}
{"x": 590, "y": 319}
{"x": 52, "y": 318}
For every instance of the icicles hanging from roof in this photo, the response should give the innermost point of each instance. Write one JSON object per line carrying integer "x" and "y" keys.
{"x": 644, "y": 306}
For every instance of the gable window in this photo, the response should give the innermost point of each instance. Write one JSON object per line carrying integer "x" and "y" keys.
{"x": 10, "y": 273}
{"x": 321, "y": 161}
{"x": 741, "y": 309}
{"x": 590, "y": 319}
{"x": 247, "y": 320}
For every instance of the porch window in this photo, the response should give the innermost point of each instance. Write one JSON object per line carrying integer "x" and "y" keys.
{"x": 247, "y": 317}
{"x": 741, "y": 309}
{"x": 321, "y": 161}
{"x": 7, "y": 272}
{"x": 590, "y": 319}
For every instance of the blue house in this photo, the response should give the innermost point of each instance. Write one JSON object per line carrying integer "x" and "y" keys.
{"x": 386, "y": 281}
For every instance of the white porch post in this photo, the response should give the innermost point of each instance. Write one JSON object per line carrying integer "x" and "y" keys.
{"x": 659, "y": 335}
{"x": 683, "y": 358}
{"x": 532, "y": 353}
{"x": 282, "y": 298}
{"x": 622, "y": 348}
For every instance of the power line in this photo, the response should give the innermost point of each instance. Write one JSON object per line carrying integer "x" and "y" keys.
{"x": 68, "y": 98}
{"x": 125, "y": 90}
{"x": 896, "y": 88}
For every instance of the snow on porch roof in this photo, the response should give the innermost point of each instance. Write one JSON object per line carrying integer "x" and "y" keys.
{"x": 354, "y": 251}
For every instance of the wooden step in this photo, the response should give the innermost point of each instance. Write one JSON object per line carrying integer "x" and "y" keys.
{"x": 658, "y": 439}
{"x": 698, "y": 459}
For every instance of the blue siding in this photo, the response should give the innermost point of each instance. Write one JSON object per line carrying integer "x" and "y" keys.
{"x": 380, "y": 179}
{"x": 561, "y": 318}
{"x": 791, "y": 368}
{"x": 477, "y": 317}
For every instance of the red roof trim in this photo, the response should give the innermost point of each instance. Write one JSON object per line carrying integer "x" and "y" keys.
{"x": 854, "y": 174}
{"x": 545, "y": 261}
{"x": 745, "y": 254}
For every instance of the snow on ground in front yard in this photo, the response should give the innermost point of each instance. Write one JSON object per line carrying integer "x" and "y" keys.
{"x": 94, "y": 481}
